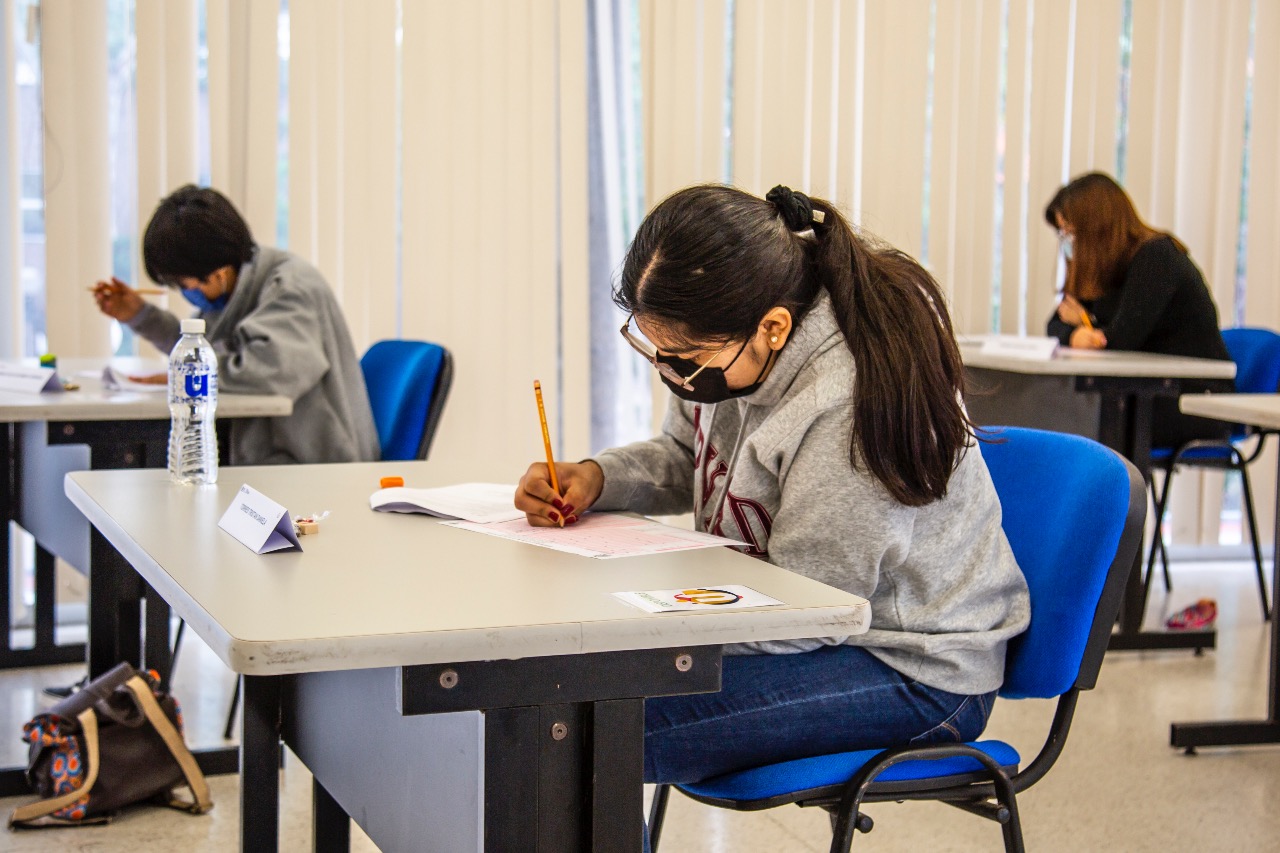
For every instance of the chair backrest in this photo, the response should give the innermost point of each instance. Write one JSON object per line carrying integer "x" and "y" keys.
{"x": 408, "y": 382}
{"x": 1256, "y": 353}
{"x": 1073, "y": 512}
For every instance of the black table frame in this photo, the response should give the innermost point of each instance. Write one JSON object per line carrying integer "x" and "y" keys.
{"x": 1188, "y": 736}
{"x": 116, "y": 592}
{"x": 564, "y": 745}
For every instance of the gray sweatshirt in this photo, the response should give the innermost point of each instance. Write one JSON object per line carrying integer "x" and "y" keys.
{"x": 282, "y": 332}
{"x": 772, "y": 470}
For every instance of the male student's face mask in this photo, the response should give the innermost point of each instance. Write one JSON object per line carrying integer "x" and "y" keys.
{"x": 197, "y": 298}
{"x": 709, "y": 383}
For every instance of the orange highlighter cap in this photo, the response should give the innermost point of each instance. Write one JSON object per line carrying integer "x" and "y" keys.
{"x": 390, "y": 482}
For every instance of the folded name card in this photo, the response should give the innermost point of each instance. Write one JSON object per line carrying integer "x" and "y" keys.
{"x": 259, "y": 523}
{"x": 32, "y": 380}
{"x": 1037, "y": 348}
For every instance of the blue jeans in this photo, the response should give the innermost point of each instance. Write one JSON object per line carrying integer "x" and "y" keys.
{"x": 774, "y": 708}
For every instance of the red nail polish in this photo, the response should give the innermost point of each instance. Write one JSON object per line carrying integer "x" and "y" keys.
{"x": 557, "y": 503}
{"x": 554, "y": 516}
{"x": 567, "y": 510}
{"x": 571, "y": 519}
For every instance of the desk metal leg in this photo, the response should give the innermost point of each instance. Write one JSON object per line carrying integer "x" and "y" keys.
{"x": 260, "y": 765}
{"x": 1124, "y": 425}
{"x": 158, "y": 654}
{"x": 547, "y": 768}
{"x": 332, "y": 824}
{"x": 1188, "y": 736}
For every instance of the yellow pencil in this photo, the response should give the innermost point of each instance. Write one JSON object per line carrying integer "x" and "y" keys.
{"x": 145, "y": 291}
{"x": 546, "y": 441}
{"x": 1084, "y": 316}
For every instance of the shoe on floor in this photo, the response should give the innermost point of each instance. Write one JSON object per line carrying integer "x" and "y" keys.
{"x": 63, "y": 691}
{"x": 1198, "y": 616}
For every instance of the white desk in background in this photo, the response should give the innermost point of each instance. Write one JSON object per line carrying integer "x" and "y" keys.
{"x": 1107, "y": 395}
{"x": 371, "y": 651}
{"x": 42, "y": 437}
{"x": 1263, "y": 411}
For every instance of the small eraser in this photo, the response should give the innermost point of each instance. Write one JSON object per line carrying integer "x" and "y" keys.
{"x": 307, "y": 528}
{"x": 390, "y": 482}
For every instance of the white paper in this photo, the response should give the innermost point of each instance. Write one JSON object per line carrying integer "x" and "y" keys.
{"x": 1016, "y": 346}
{"x": 482, "y": 503}
{"x": 715, "y": 597}
{"x": 259, "y": 523}
{"x": 116, "y": 381}
{"x": 30, "y": 380}
{"x": 603, "y": 535}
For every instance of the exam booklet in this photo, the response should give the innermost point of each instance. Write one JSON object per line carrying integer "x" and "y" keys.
{"x": 482, "y": 503}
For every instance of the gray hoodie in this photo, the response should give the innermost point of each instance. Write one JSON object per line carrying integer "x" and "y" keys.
{"x": 772, "y": 470}
{"x": 282, "y": 332}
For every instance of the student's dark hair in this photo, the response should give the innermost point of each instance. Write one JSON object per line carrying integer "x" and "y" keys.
{"x": 1108, "y": 233}
{"x": 710, "y": 261}
{"x": 194, "y": 231}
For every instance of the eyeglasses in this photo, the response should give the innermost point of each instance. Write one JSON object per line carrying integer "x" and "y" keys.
{"x": 646, "y": 349}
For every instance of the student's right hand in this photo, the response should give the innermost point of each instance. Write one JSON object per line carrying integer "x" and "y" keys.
{"x": 580, "y": 485}
{"x": 117, "y": 300}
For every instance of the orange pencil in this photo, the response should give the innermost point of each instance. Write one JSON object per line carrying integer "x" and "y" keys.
{"x": 546, "y": 440}
{"x": 1084, "y": 315}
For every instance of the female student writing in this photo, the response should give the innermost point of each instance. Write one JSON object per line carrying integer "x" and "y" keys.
{"x": 273, "y": 321}
{"x": 1131, "y": 287}
{"x": 815, "y": 418}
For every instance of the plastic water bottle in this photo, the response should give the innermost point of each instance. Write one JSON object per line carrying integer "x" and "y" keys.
{"x": 193, "y": 398}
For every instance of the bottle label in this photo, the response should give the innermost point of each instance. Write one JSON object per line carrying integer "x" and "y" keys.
{"x": 196, "y": 384}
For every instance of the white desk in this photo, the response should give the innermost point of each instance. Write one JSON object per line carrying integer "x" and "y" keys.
{"x": 1263, "y": 411}
{"x": 362, "y": 630}
{"x": 1107, "y": 395}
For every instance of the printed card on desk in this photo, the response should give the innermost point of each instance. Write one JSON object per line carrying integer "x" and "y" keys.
{"x": 1017, "y": 346}
{"x": 31, "y": 380}
{"x": 259, "y": 523}
{"x": 721, "y": 597}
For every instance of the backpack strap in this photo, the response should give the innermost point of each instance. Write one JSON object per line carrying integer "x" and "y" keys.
{"x": 32, "y": 813}
{"x": 201, "y": 801}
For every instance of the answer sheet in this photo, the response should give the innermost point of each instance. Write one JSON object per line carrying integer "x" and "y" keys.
{"x": 603, "y": 535}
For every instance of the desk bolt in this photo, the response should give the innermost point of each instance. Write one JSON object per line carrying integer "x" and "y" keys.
{"x": 68, "y": 429}
{"x": 559, "y": 731}
{"x": 684, "y": 663}
{"x": 449, "y": 679}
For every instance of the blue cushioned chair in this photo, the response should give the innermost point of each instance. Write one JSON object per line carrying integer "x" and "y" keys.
{"x": 408, "y": 384}
{"x": 1256, "y": 353}
{"x": 1073, "y": 512}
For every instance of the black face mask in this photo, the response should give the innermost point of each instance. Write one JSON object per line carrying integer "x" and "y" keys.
{"x": 709, "y": 386}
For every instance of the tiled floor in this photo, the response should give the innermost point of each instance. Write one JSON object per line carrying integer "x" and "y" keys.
{"x": 1118, "y": 786}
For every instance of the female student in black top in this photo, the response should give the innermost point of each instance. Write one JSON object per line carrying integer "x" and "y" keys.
{"x": 1140, "y": 290}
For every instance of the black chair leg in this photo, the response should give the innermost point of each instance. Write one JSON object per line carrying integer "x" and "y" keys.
{"x": 657, "y": 813}
{"x": 231, "y": 712}
{"x": 177, "y": 646}
{"x": 1247, "y": 493}
{"x": 1157, "y": 538}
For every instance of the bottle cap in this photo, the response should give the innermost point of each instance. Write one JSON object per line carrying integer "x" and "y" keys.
{"x": 193, "y": 326}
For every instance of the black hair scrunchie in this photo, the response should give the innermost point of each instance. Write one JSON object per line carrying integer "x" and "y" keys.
{"x": 795, "y": 208}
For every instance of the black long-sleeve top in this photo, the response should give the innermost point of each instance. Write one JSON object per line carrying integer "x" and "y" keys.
{"x": 1162, "y": 305}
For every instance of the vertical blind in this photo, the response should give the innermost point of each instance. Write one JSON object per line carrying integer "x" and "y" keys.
{"x": 438, "y": 153}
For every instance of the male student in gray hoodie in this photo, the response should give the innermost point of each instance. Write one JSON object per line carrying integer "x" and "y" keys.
{"x": 272, "y": 320}
{"x": 816, "y": 419}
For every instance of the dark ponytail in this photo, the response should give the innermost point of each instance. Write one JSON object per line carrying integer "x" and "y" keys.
{"x": 908, "y": 422}
{"x": 710, "y": 261}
